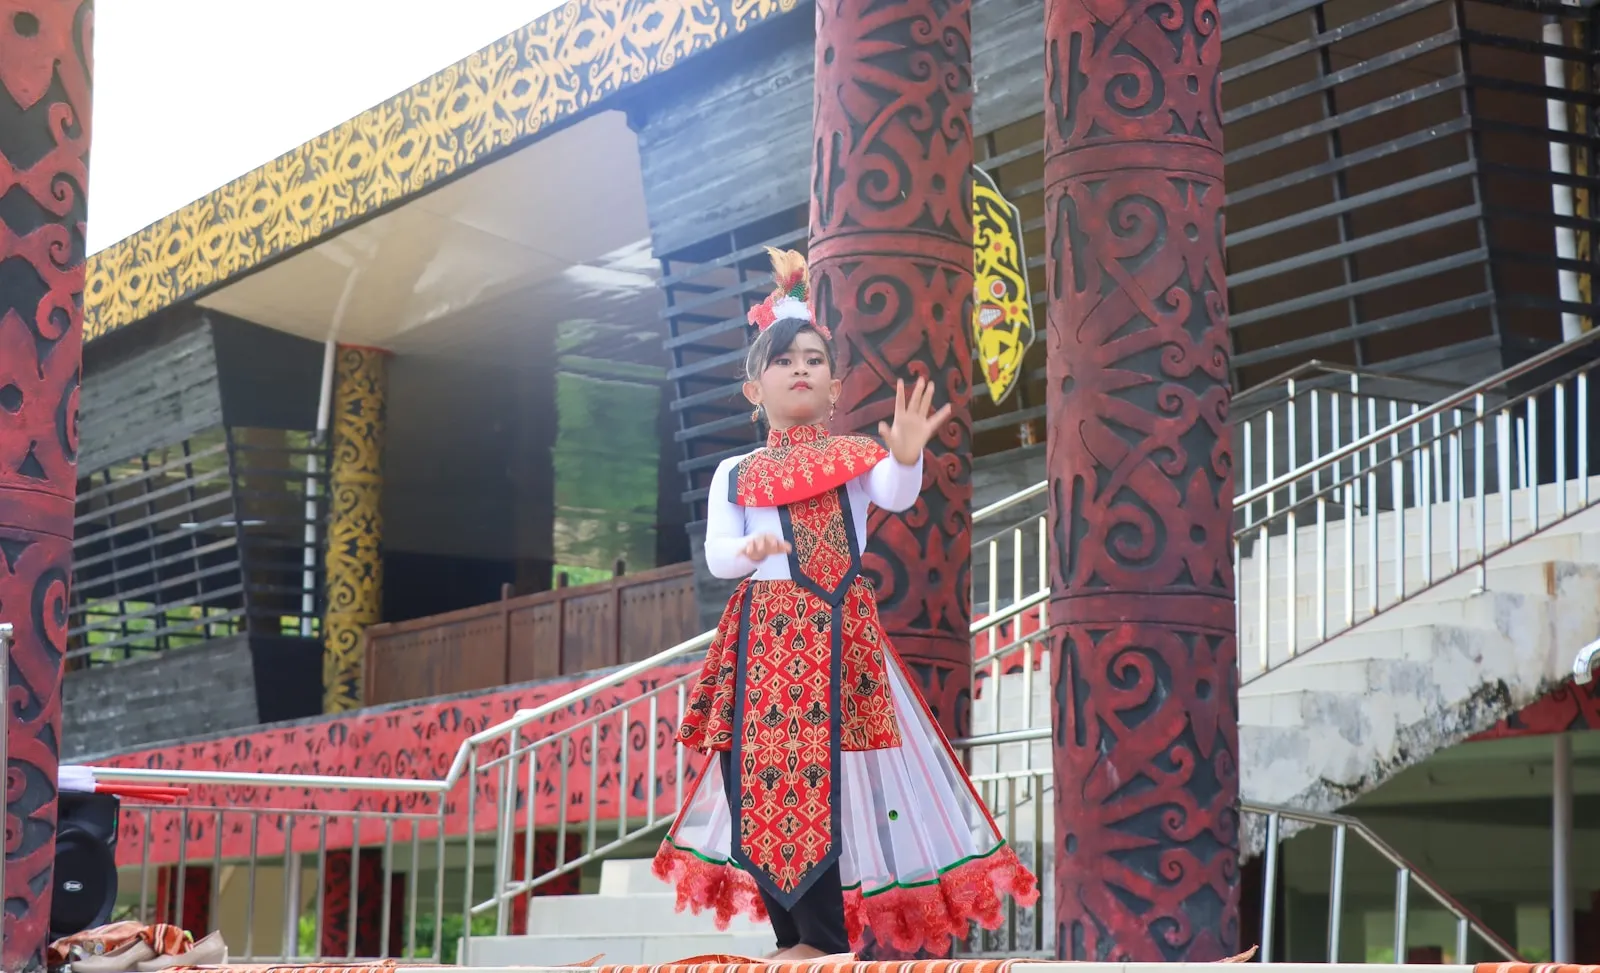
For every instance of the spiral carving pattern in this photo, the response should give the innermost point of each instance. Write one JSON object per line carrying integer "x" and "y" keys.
{"x": 1141, "y": 484}
{"x": 891, "y": 265}
{"x": 355, "y": 522}
{"x": 45, "y": 78}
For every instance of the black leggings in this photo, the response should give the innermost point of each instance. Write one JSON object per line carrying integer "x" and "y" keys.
{"x": 817, "y": 920}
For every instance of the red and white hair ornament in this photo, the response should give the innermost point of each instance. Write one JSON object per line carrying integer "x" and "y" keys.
{"x": 791, "y": 295}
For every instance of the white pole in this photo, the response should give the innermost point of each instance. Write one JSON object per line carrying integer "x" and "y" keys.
{"x": 1561, "y": 849}
{"x": 308, "y": 598}
{"x": 1555, "y": 76}
{"x": 291, "y": 897}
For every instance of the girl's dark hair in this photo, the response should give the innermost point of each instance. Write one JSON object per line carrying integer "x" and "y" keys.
{"x": 776, "y": 340}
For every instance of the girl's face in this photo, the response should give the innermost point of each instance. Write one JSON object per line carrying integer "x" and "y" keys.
{"x": 797, "y": 386}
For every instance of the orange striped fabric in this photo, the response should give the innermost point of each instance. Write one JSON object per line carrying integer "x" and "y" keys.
{"x": 742, "y": 964}
{"x": 375, "y": 967}
{"x": 1534, "y": 968}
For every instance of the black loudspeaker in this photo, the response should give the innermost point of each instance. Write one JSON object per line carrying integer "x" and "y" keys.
{"x": 85, "y": 882}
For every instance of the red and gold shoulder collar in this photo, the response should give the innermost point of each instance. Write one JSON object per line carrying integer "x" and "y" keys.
{"x": 799, "y": 463}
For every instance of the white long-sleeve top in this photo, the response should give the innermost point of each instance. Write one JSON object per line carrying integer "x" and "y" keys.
{"x": 889, "y": 485}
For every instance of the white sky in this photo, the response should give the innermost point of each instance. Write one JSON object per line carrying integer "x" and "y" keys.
{"x": 189, "y": 94}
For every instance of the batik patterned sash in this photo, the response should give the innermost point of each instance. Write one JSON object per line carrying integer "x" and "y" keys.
{"x": 786, "y": 759}
{"x": 787, "y": 754}
{"x": 800, "y": 463}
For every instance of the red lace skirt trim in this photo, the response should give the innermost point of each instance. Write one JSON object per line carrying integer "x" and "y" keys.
{"x": 926, "y": 917}
{"x": 724, "y": 889}
{"x": 921, "y": 917}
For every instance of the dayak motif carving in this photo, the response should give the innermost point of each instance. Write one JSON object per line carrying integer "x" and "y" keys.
{"x": 45, "y": 70}
{"x": 891, "y": 271}
{"x": 1141, "y": 484}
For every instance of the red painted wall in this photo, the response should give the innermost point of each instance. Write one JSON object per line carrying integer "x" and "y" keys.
{"x": 413, "y": 742}
{"x": 1569, "y": 707}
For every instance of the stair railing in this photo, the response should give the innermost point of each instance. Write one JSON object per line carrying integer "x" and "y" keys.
{"x": 620, "y": 803}
{"x": 1017, "y": 796}
{"x": 1421, "y": 500}
{"x": 1279, "y": 424}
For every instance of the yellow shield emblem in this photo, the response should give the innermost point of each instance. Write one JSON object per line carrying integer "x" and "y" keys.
{"x": 1002, "y": 308}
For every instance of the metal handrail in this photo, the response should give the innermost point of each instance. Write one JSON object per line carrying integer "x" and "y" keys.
{"x": 1455, "y": 400}
{"x": 1582, "y": 664}
{"x": 1000, "y": 617}
{"x": 411, "y": 784}
{"x": 1316, "y": 376}
{"x": 1334, "y": 368}
{"x": 1406, "y": 872}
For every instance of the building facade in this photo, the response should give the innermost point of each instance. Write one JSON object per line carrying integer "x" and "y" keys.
{"x": 411, "y": 428}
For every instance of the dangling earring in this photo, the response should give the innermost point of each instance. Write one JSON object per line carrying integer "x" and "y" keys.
{"x": 755, "y": 416}
{"x": 832, "y": 406}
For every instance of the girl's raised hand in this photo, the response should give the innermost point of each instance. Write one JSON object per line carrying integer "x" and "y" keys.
{"x": 915, "y": 422}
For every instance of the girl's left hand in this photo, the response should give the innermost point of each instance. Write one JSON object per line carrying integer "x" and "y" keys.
{"x": 914, "y": 422}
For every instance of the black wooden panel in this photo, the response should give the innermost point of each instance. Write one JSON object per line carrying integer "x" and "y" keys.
{"x": 728, "y": 141}
{"x": 1007, "y": 62}
{"x": 227, "y": 685}
{"x": 268, "y": 379}
{"x": 157, "y": 388}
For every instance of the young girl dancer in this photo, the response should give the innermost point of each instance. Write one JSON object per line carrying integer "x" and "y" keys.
{"x": 833, "y": 801}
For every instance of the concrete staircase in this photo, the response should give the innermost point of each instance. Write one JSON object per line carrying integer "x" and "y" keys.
{"x": 1325, "y": 727}
{"x": 631, "y": 921}
{"x": 1339, "y": 717}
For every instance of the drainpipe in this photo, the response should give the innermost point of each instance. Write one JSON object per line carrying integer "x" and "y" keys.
{"x": 1561, "y": 849}
{"x": 1555, "y": 76}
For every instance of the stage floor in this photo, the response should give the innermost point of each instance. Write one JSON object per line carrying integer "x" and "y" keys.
{"x": 721, "y": 965}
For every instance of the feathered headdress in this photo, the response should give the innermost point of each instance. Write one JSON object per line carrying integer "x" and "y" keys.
{"x": 791, "y": 297}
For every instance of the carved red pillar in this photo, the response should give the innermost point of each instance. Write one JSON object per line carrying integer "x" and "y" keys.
{"x": 45, "y": 50}
{"x": 891, "y": 259}
{"x": 1141, "y": 484}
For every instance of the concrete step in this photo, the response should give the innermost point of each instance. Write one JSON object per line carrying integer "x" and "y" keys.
{"x": 633, "y": 920}
{"x": 647, "y": 915}
{"x": 1341, "y": 719}
{"x": 630, "y": 876}
{"x": 1443, "y": 603}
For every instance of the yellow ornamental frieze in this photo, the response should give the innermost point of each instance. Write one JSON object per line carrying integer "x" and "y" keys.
{"x": 560, "y": 65}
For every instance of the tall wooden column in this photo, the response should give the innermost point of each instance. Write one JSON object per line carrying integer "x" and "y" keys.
{"x": 891, "y": 259}
{"x": 355, "y": 521}
{"x": 1141, "y": 484}
{"x": 45, "y": 73}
